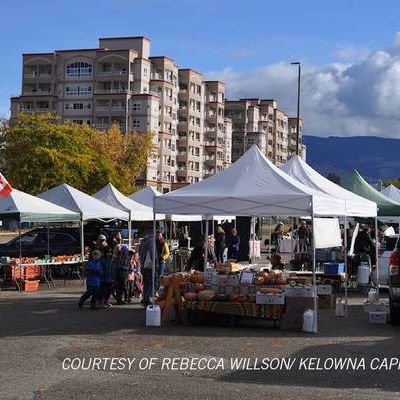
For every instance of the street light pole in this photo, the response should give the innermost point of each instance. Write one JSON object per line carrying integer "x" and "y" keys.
{"x": 298, "y": 106}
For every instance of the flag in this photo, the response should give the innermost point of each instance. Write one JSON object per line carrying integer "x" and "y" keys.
{"x": 5, "y": 187}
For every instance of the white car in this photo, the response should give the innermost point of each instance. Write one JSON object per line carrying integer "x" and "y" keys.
{"x": 385, "y": 251}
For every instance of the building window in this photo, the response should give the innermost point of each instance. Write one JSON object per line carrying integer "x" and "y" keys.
{"x": 136, "y": 106}
{"x": 78, "y": 90}
{"x": 135, "y": 123}
{"x": 145, "y": 71}
{"x": 79, "y": 68}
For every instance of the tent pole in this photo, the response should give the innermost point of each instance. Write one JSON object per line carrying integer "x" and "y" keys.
{"x": 153, "y": 261}
{"x": 346, "y": 277}
{"x": 376, "y": 252}
{"x": 254, "y": 240}
{"x": 48, "y": 239}
{"x": 20, "y": 254}
{"x": 130, "y": 231}
{"x": 313, "y": 269}
{"x": 82, "y": 239}
{"x": 270, "y": 237}
{"x": 206, "y": 246}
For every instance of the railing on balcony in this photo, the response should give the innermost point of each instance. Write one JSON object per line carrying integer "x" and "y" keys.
{"x": 37, "y": 74}
{"x": 111, "y": 91}
{"x": 37, "y": 92}
{"x": 112, "y": 72}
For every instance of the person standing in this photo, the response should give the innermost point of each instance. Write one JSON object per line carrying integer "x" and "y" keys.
{"x": 234, "y": 245}
{"x": 196, "y": 259}
{"x": 121, "y": 265}
{"x": 304, "y": 235}
{"x": 163, "y": 253}
{"x": 220, "y": 244}
{"x": 278, "y": 232}
{"x": 107, "y": 278}
{"x": 146, "y": 261}
{"x": 92, "y": 272}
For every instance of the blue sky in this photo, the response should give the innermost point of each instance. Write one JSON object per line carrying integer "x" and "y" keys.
{"x": 232, "y": 40}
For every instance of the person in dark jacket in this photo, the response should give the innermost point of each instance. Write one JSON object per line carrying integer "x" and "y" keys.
{"x": 304, "y": 235}
{"x": 146, "y": 262}
{"x": 196, "y": 259}
{"x": 93, "y": 280}
{"x": 121, "y": 266}
{"x": 365, "y": 245}
{"x": 234, "y": 245}
{"x": 107, "y": 278}
{"x": 220, "y": 243}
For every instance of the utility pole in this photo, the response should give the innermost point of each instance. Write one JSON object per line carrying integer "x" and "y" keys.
{"x": 298, "y": 107}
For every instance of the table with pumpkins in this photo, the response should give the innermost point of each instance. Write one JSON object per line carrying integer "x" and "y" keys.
{"x": 237, "y": 291}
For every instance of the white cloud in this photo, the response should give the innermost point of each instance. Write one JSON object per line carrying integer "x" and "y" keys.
{"x": 361, "y": 98}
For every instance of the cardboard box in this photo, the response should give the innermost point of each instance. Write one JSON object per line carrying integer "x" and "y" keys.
{"x": 376, "y": 307}
{"x": 270, "y": 298}
{"x": 324, "y": 289}
{"x": 298, "y": 291}
{"x": 377, "y": 317}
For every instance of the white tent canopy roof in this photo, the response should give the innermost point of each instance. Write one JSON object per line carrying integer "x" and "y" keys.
{"x": 87, "y": 206}
{"x": 146, "y": 196}
{"x": 392, "y": 192}
{"x": 112, "y": 196}
{"x": 356, "y": 206}
{"x": 32, "y": 209}
{"x": 252, "y": 186}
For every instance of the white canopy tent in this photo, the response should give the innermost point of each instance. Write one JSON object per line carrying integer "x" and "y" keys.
{"x": 110, "y": 195}
{"x": 146, "y": 196}
{"x": 87, "y": 206}
{"x": 356, "y": 206}
{"x": 252, "y": 186}
{"x": 392, "y": 192}
{"x": 28, "y": 208}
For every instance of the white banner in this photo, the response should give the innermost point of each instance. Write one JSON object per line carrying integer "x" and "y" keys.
{"x": 327, "y": 233}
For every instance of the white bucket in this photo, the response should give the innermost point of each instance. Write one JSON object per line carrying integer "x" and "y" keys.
{"x": 153, "y": 315}
{"x": 373, "y": 295}
{"x": 363, "y": 274}
{"x": 310, "y": 321}
{"x": 340, "y": 309}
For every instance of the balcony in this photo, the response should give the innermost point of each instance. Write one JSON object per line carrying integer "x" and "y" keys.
{"x": 113, "y": 73}
{"x": 28, "y": 75}
{"x": 111, "y": 91}
{"x": 37, "y": 92}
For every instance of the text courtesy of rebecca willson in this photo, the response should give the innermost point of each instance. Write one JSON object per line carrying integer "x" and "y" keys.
{"x": 232, "y": 364}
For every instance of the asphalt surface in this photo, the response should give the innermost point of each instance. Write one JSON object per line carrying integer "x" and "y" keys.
{"x": 39, "y": 331}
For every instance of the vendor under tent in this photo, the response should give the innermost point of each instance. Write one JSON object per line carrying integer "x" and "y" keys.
{"x": 110, "y": 195}
{"x": 392, "y": 192}
{"x": 252, "y": 186}
{"x": 356, "y": 206}
{"x": 86, "y": 206}
{"x": 28, "y": 208}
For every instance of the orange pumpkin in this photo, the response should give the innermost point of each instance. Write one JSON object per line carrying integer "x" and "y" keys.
{"x": 190, "y": 296}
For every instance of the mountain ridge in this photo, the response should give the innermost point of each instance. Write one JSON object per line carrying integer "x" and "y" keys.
{"x": 376, "y": 158}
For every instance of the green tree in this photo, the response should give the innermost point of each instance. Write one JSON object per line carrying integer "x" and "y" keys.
{"x": 395, "y": 182}
{"x": 39, "y": 152}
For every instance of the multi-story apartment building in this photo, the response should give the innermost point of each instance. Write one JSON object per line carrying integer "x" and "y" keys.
{"x": 293, "y": 139}
{"x": 260, "y": 122}
{"x": 119, "y": 82}
{"x": 217, "y": 129}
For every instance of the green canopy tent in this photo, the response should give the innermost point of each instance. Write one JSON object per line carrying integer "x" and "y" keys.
{"x": 358, "y": 185}
{"x": 386, "y": 207}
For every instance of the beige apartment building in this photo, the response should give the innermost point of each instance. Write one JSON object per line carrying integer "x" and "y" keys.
{"x": 261, "y": 122}
{"x": 120, "y": 82}
{"x": 196, "y": 132}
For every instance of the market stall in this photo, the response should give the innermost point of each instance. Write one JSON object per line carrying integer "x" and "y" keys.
{"x": 392, "y": 192}
{"x": 86, "y": 206}
{"x": 252, "y": 186}
{"x": 355, "y": 206}
{"x": 27, "y": 208}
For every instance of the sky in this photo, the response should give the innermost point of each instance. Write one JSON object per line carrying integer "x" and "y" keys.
{"x": 349, "y": 50}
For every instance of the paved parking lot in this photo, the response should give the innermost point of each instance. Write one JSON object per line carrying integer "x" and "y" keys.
{"x": 40, "y": 330}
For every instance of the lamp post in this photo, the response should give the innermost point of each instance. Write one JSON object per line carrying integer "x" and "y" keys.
{"x": 298, "y": 106}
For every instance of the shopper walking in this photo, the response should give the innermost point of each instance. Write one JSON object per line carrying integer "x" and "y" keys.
{"x": 107, "y": 278}
{"x": 121, "y": 265}
{"x": 92, "y": 273}
{"x": 163, "y": 253}
{"x": 234, "y": 245}
{"x": 220, "y": 244}
{"x": 304, "y": 235}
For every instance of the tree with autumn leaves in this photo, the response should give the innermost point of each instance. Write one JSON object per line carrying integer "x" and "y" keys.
{"x": 39, "y": 152}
